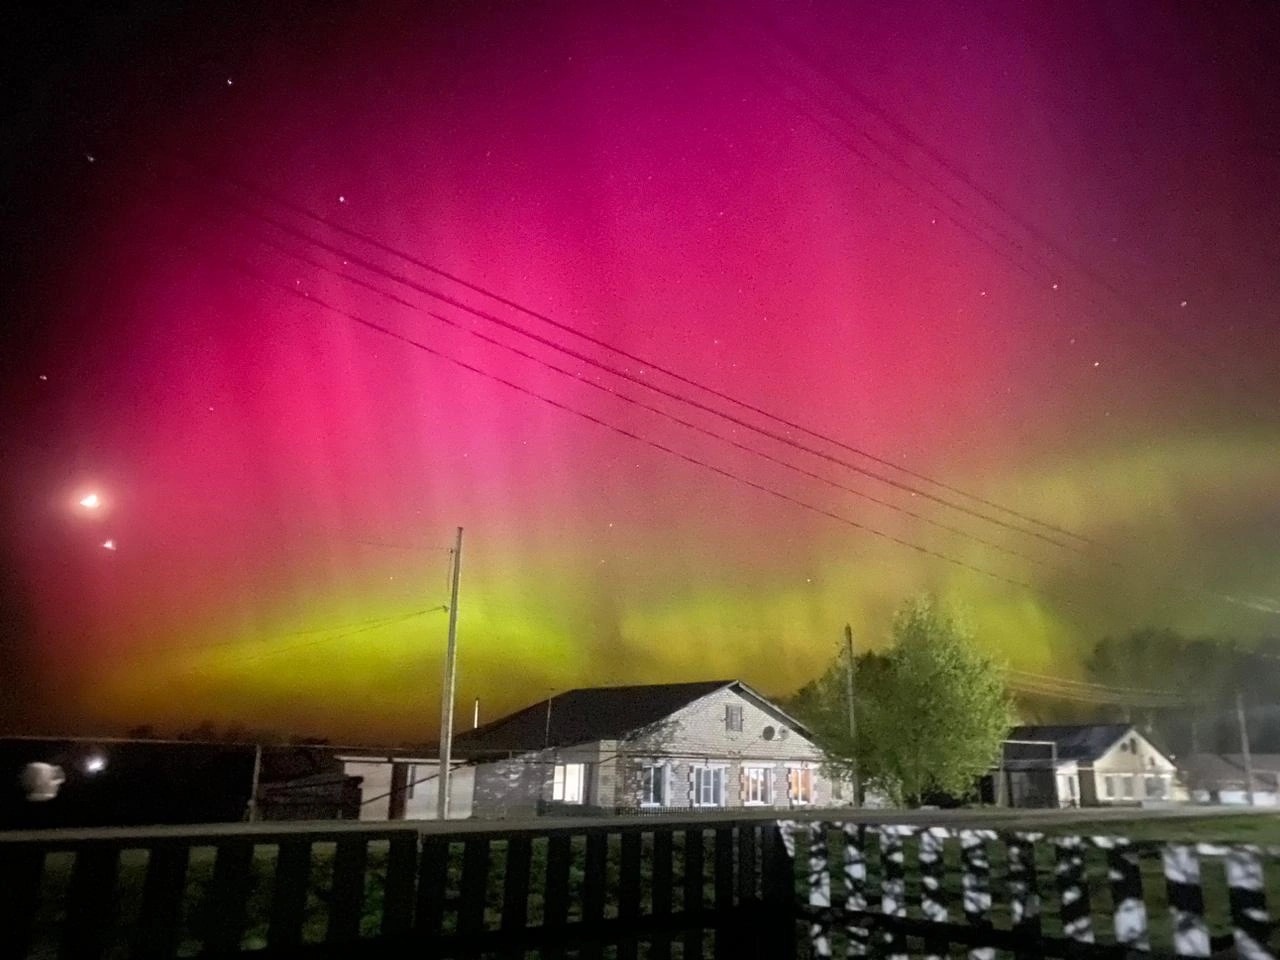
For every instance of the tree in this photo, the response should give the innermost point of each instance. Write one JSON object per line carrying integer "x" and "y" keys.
{"x": 931, "y": 712}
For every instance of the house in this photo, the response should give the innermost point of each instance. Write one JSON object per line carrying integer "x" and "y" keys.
{"x": 1221, "y": 778}
{"x": 1084, "y": 765}
{"x": 676, "y": 746}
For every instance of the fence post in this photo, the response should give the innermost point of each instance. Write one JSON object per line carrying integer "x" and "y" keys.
{"x": 976, "y": 885}
{"x": 778, "y": 886}
{"x": 1024, "y": 895}
{"x": 893, "y": 886}
{"x": 1073, "y": 890}
{"x": 1130, "y": 910}
{"x": 1186, "y": 900}
{"x": 933, "y": 895}
{"x": 855, "y": 890}
{"x": 1246, "y": 890}
{"x": 819, "y": 891}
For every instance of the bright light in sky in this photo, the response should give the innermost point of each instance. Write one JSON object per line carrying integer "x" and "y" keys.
{"x": 108, "y": 544}
{"x": 95, "y": 764}
{"x": 91, "y": 502}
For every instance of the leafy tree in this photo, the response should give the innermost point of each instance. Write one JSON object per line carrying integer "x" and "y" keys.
{"x": 931, "y": 712}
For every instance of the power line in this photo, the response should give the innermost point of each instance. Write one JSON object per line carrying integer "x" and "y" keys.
{"x": 578, "y": 378}
{"x": 650, "y": 364}
{"x": 622, "y": 431}
{"x": 626, "y": 375}
{"x": 1142, "y": 312}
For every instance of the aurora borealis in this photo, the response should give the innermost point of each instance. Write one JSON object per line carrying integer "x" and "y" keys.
{"x": 1029, "y": 251}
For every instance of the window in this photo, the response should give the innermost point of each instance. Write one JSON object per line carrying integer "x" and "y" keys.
{"x": 1155, "y": 787}
{"x": 653, "y": 785}
{"x": 569, "y": 783}
{"x": 757, "y": 786}
{"x": 1133, "y": 744}
{"x": 800, "y": 785}
{"x": 733, "y": 717}
{"x": 837, "y": 789}
{"x": 1126, "y": 784}
{"x": 708, "y": 786}
{"x": 1109, "y": 786}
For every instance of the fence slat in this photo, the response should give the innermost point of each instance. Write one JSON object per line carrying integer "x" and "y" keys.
{"x": 660, "y": 892}
{"x": 1024, "y": 893}
{"x": 346, "y": 906}
{"x": 1073, "y": 889}
{"x": 399, "y": 890}
{"x": 1186, "y": 900}
{"x": 857, "y": 936}
{"x": 629, "y": 865}
{"x": 933, "y": 893}
{"x": 1129, "y": 911}
{"x": 1246, "y": 889}
{"x": 20, "y": 875}
{"x": 289, "y": 896}
{"x": 515, "y": 889}
{"x": 594, "y": 875}
{"x": 433, "y": 871}
{"x": 691, "y": 883}
{"x": 976, "y": 885}
{"x": 163, "y": 891}
{"x": 662, "y": 878}
{"x": 556, "y": 903}
{"x": 475, "y": 884}
{"x": 747, "y": 864}
{"x": 228, "y": 895}
{"x": 91, "y": 901}
{"x": 778, "y": 886}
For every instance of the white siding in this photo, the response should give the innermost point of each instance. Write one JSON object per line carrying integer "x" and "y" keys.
{"x": 1129, "y": 764}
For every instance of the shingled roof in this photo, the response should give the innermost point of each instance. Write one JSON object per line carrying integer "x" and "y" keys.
{"x": 1081, "y": 742}
{"x": 588, "y": 714}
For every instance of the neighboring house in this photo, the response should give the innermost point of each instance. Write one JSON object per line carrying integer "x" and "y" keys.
{"x": 1084, "y": 765}
{"x": 1220, "y": 778}
{"x": 702, "y": 746}
{"x": 394, "y": 787}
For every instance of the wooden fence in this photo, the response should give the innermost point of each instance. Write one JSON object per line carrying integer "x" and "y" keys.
{"x": 653, "y": 888}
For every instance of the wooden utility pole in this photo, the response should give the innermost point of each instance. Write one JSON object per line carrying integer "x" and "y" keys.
{"x": 853, "y": 720}
{"x": 1244, "y": 746}
{"x": 446, "y": 697}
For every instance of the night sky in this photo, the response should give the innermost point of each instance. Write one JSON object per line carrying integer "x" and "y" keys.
{"x": 1027, "y": 250}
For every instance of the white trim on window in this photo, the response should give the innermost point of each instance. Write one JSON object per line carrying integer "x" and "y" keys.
{"x": 655, "y": 774}
{"x": 757, "y": 786}
{"x": 708, "y": 785}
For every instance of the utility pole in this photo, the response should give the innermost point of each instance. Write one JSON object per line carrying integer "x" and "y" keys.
{"x": 475, "y": 715}
{"x": 251, "y": 812}
{"x": 446, "y": 698}
{"x": 853, "y": 721}
{"x": 1244, "y": 746}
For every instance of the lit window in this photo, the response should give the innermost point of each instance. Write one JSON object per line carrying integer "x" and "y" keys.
{"x": 733, "y": 717}
{"x": 800, "y": 785}
{"x": 757, "y": 785}
{"x": 569, "y": 782}
{"x": 708, "y": 786}
{"x": 653, "y": 785}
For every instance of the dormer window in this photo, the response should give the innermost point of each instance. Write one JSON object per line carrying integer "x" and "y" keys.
{"x": 733, "y": 717}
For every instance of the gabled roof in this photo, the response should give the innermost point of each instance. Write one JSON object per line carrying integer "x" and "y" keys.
{"x": 1081, "y": 742}
{"x": 593, "y": 713}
